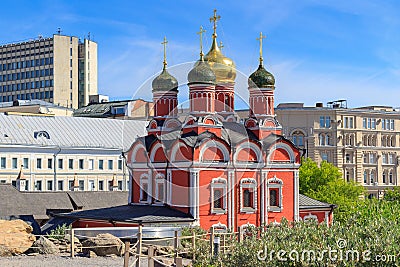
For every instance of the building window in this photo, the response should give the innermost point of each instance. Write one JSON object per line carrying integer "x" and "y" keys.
{"x": 60, "y": 163}
{"x": 110, "y": 164}
{"x": 38, "y": 186}
{"x": 384, "y": 158}
{"x": 70, "y": 185}
{"x": 38, "y": 163}
{"x": 365, "y": 123}
{"x": 248, "y": 195}
{"x": 26, "y": 163}
{"x": 365, "y": 177}
{"x": 70, "y": 164}
{"x": 324, "y": 156}
{"x": 390, "y": 177}
{"x": 120, "y": 185}
{"x": 275, "y": 194}
{"x": 372, "y": 158}
{"x": 60, "y": 185}
{"x": 81, "y": 185}
{"x": 81, "y": 164}
{"x": 49, "y": 163}
{"x": 101, "y": 164}
{"x": 91, "y": 164}
{"x": 50, "y": 185}
{"x": 325, "y": 121}
{"x": 91, "y": 185}
{"x": 101, "y": 185}
{"x": 298, "y": 138}
{"x": 120, "y": 164}
{"x": 384, "y": 177}
{"x": 3, "y": 162}
{"x": 160, "y": 188}
{"x": 218, "y": 195}
{"x": 144, "y": 188}
{"x": 14, "y": 163}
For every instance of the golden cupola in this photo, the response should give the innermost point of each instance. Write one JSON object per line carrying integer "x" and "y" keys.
{"x": 223, "y": 67}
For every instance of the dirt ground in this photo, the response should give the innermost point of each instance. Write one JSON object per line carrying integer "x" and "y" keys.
{"x": 62, "y": 261}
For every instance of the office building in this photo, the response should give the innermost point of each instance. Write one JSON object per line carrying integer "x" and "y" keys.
{"x": 60, "y": 69}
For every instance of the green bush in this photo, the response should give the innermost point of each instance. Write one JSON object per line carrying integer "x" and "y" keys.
{"x": 59, "y": 232}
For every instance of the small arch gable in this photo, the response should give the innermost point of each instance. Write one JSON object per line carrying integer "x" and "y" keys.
{"x": 137, "y": 154}
{"x": 282, "y": 152}
{"x": 181, "y": 152}
{"x": 214, "y": 151}
{"x": 157, "y": 153}
{"x": 248, "y": 152}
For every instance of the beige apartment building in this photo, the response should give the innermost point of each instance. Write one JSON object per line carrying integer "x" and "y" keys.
{"x": 362, "y": 142}
{"x": 59, "y": 153}
{"x": 60, "y": 69}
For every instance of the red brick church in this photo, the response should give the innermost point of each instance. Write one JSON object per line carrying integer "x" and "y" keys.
{"x": 211, "y": 169}
{"x": 222, "y": 171}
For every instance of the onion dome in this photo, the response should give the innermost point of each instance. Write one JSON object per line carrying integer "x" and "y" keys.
{"x": 223, "y": 67}
{"x": 165, "y": 82}
{"x": 201, "y": 73}
{"x": 261, "y": 78}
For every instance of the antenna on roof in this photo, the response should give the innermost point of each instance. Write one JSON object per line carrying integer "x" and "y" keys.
{"x": 59, "y": 31}
{"x": 89, "y": 36}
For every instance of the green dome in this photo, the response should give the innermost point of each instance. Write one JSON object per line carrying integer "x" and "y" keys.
{"x": 165, "y": 82}
{"x": 201, "y": 73}
{"x": 261, "y": 78}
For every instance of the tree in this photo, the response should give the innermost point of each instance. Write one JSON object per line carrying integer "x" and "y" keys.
{"x": 325, "y": 183}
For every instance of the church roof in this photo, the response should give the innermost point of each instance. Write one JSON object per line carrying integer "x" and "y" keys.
{"x": 306, "y": 202}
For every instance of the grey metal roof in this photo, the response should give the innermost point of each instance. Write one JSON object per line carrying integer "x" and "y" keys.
{"x": 99, "y": 109}
{"x": 132, "y": 214}
{"x": 39, "y": 204}
{"x": 70, "y": 132}
{"x": 306, "y": 202}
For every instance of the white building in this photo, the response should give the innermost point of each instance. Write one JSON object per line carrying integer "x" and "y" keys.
{"x": 66, "y": 153}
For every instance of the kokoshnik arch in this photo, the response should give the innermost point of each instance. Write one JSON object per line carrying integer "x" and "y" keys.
{"x": 221, "y": 171}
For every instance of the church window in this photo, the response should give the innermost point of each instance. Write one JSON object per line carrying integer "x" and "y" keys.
{"x": 144, "y": 189}
{"x": 248, "y": 195}
{"x": 275, "y": 194}
{"x": 218, "y": 195}
{"x": 160, "y": 185}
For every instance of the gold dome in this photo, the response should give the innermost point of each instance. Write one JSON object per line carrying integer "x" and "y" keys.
{"x": 223, "y": 67}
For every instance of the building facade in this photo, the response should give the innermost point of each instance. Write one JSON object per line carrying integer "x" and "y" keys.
{"x": 65, "y": 153}
{"x": 362, "y": 142}
{"x": 60, "y": 69}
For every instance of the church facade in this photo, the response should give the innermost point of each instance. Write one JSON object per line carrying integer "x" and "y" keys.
{"x": 224, "y": 172}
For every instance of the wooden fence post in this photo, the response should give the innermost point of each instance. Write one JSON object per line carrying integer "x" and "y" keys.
{"x": 126, "y": 254}
{"x": 139, "y": 245}
{"x": 176, "y": 242}
{"x": 223, "y": 243}
{"x": 179, "y": 262}
{"x": 240, "y": 230}
{"x": 211, "y": 242}
{"x": 194, "y": 245}
{"x": 72, "y": 243}
{"x": 150, "y": 255}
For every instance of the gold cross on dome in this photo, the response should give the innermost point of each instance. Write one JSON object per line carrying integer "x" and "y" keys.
{"x": 201, "y": 40}
{"x": 164, "y": 43}
{"x": 260, "y": 39}
{"x": 214, "y": 19}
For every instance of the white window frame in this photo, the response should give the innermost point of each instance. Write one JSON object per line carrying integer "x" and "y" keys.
{"x": 219, "y": 183}
{"x": 248, "y": 183}
{"x": 160, "y": 179}
{"x": 275, "y": 183}
{"x": 145, "y": 179}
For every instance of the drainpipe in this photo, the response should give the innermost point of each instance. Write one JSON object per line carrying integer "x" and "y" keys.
{"x": 55, "y": 168}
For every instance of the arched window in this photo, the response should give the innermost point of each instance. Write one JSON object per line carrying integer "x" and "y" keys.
{"x": 327, "y": 140}
{"x": 145, "y": 189}
{"x": 372, "y": 177}
{"x": 321, "y": 139}
{"x": 390, "y": 177}
{"x": 365, "y": 177}
{"x": 298, "y": 138}
{"x": 160, "y": 188}
{"x": 384, "y": 177}
{"x": 273, "y": 197}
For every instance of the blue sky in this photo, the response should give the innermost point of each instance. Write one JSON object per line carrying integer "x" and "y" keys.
{"x": 318, "y": 50}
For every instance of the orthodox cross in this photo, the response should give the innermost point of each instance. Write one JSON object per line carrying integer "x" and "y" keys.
{"x": 201, "y": 40}
{"x": 260, "y": 39}
{"x": 164, "y": 43}
{"x": 214, "y": 20}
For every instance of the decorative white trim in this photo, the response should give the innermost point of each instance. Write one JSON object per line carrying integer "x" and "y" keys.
{"x": 296, "y": 196}
{"x": 251, "y": 146}
{"x": 246, "y": 225}
{"x": 219, "y": 227}
{"x": 154, "y": 151}
{"x": 310, "y": 217}
{"x": 285, "y": 147}
{"x": 251, "y": 184}
{"x": 175, "y": 149}
{"x": 135, "y": 150}
{"x": 213, "y": 143}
